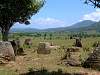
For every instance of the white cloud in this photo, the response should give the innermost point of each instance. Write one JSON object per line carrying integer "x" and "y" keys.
{"x": 43, "y": 23}
{"x": 48, "y": 22}
{"x": 94, "y": 16}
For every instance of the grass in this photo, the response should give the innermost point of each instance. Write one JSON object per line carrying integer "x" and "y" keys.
{"x": 52, "y": 61}
{"x": 6, "y": 71}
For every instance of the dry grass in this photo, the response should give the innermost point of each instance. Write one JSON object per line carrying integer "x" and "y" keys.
{"x": 51, "y": 61}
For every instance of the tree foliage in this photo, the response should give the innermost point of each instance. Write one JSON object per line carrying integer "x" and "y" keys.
{"x": 12, "y": 11}
{"x": 95, "y": 3}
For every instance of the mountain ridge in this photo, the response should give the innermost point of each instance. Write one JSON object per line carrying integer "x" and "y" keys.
{"x": 79, "y": 26}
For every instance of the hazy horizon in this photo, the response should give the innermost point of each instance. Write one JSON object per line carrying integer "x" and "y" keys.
{"x": 28, "y": 26}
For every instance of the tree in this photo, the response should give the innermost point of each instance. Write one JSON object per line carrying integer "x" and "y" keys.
{"x": 45, "y": 35}
{"x": 50, "y": 36}
{"x": 95, "y": 3}
{"x": 12, "y": 11}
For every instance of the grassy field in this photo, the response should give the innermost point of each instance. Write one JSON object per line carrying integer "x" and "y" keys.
{"x": 52, "y": 61}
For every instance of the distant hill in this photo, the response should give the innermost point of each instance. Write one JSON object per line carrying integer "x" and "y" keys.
{"x": 93, "y": 27}
{"x": 24, "y": 30}
{"x": 73, "y": 27}
{"x": 85, "y": 25}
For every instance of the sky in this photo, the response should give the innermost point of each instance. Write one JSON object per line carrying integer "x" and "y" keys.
{"x": 62, "y": 13}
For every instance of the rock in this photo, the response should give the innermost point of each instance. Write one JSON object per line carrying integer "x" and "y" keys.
{"x": 93, "y": 61}
{"x": 69, "y": 52}
{"x": 6, "y": 51}
{"x": 66, "y": 56}
{"x": 96, "y": 44}
{"x": 20, "y": 51}
{"x": 3, "y": 61}
{"x": 43, "y": 48}
{"x": 78, "y": 42}
{"x": 16, "y": 46}
{"x": 73, "y": 49}
{"x": 73, "y": 62}
{"x": 28, "y": 41}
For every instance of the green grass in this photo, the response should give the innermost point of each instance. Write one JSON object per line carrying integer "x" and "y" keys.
{"x": 51, "y": 61}
{"x": 6, "y": 71}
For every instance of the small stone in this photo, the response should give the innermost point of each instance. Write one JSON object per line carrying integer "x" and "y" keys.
{"x": 43, "y": 48}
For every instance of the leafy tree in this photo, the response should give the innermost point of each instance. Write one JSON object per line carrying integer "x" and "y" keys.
{"x": 50, "y": 36}
{"x": 12, "y": 11}
{"x": 45, "y": 35}
{"x": 95, "y": 3}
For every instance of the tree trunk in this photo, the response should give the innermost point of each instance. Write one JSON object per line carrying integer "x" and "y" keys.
{"x": 5, "y": 35}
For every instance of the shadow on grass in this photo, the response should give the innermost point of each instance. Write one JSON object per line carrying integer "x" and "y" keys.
{"x": 46, "y": 72}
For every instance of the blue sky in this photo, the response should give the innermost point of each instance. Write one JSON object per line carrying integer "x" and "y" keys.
{"x": 62, "y": 13}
